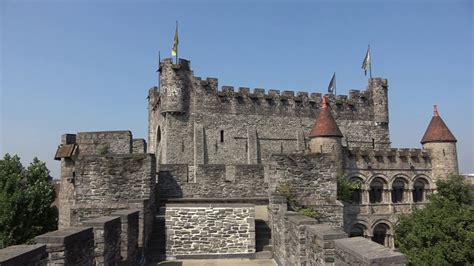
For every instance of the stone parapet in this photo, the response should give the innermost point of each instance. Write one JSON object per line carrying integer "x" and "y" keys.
{"x": 107, "y": 231}
{"x": 129, "y": 236}
{"x": 31, "y": 255}
{"x": 361, "y": 251}
{"x": 69, "y": 246}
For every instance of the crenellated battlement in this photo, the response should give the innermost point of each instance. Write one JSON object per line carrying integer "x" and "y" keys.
{"x": 399, "y": 158}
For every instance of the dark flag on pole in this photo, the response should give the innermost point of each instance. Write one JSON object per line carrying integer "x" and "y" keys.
{"x": 332, "y": 84}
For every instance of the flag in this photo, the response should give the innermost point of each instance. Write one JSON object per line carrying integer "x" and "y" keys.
{"x": 366, "y": 63}
{"x": 332, "y": 84}
{"x": 174, "y": 50}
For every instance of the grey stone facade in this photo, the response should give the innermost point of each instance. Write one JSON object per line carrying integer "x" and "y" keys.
{"x": 209, "y": 230}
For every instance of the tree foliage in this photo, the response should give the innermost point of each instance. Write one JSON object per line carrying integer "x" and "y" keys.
{"x": 25, "y": 201}
{"x": 345, "y": 188}
{"x": 443, "y": 232}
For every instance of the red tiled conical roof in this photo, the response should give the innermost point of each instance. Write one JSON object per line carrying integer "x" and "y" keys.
{"x": 325, "y": 125}
{"x": 437, "y": 130}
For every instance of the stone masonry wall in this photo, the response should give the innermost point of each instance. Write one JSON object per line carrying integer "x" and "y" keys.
{"x": 207, "y": 125}
{"x": 129, "y": 235}
{"x": 28, "y": 255}
{"x": 300, "y": 240}
{"x": 209, "y": 230}
{"x": 69, "y": 246}
{"x": 313, "y": 180}
{"x": 211, "y": 181}
{"x": 104, "y": 142}
{"x": 107, "y": 231}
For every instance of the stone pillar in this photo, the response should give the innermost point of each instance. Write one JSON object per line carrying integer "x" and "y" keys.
{"x": 107, "y": 230}
{"x": 129, "y": 236}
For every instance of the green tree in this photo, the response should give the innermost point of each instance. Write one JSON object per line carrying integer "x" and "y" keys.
{"x": 25, "y": 201}
{"x": 443, "y": 232}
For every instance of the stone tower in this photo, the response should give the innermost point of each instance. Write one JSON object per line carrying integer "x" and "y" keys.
{"x": 326, "y": 137}
{"x": 439, "y": 140}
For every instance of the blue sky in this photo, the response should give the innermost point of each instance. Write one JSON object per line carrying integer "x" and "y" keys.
{"x": 70, "y": 66}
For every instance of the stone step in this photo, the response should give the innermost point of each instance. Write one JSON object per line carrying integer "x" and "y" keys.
{"x": 268, "y": 248}
{"x": 263, "y": 255}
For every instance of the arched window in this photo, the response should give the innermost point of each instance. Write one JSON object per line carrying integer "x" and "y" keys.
{"x": 380, "y": 233}
{"x": 357, "y": 230}
{"x": 356, "y": 196}
{"x": 376, "y": 190}
{"x": 398, "y": 189}
{"x": 419, "y": 189}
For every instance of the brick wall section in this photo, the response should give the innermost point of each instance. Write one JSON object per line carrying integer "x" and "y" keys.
{"x": 129, "y": 235}
{"x": 104, "y": 142}
{"x": 69, "y": 246}
{"x": 211, "y": 181}
{"x": 30, "y": 255}
{"x": 360, "y": 251}
{"x": 209, "y": 230}
{"x": 107, "y": 231}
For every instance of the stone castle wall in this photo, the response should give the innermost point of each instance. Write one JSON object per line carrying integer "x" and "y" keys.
{"x": 209, "y": 230}
{"x": 211, "y": 181}
{"x": 229, "y": 127}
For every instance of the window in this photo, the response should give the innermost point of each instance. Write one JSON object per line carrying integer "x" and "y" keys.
{"x": 376, "y": 191}
{"x": 222, "y": 136}
{"x": 418, "y": 191}
{"x": 398, "y": 188}
{"x": 357, "y": 230}
{"x": 380, "y": 233}
{"x": 356, "y": 196}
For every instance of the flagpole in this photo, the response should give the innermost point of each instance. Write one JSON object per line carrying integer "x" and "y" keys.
{"x": 159, "y": 68}
{"x": 177, "y": 45}
{"x": 335, "y": 84}
{"x": 370, "y": 64}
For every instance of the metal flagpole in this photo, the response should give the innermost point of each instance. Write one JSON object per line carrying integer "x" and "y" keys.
{"x": 370, "y": 63}
{"x": 159, "y": 68}
{"x": 177, "y": 42}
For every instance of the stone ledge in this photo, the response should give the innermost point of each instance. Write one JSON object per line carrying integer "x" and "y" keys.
{"x": 22, "y": 254}
{"x": 65, "y": 235}
{"x": 253, "y": 200}
{"x": 125, "y": 213}
{"x": 213, "y": 256}
{"x": 209, "y": 205}
{"x": 102, "y": 221}
{"x": 300, "y": 219}
{"x": 326, "y": 231}
{"x": 369, "y": 251}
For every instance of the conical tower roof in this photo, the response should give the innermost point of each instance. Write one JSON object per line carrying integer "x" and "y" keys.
{"x": 437, "y": 130}
{"x": 325, "y": 125}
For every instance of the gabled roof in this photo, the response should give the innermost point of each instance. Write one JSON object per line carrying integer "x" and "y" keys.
{"x": 325, "y": 125}
{"x": 437, "y": 130}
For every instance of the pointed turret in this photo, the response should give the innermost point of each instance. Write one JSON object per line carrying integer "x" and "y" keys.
{"x": 441, "y": 143}
{"x": 325, "y": 125}
{"x": 437, "y": 130}
{"x": 326, "y": 137}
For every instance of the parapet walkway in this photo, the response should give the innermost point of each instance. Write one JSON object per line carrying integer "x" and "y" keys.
{"x": 219, "y": 262}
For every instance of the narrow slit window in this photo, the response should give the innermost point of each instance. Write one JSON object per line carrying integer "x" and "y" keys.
{"x": 373, "y": 143}
{"x": 222, "y": 136}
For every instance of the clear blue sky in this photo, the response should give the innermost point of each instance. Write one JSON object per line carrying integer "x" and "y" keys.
{"x": 69, "y": 66}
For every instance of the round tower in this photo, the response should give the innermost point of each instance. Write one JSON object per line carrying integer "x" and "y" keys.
{"x": 326, "y": 137}
{"x": 441, "y": 143}
{"x": 175, "y": 86}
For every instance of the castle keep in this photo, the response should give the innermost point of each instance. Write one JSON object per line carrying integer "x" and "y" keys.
{"x": 208, "y": 183}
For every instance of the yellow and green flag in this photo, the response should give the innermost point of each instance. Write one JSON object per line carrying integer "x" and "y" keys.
{"x": 174, "y": 50}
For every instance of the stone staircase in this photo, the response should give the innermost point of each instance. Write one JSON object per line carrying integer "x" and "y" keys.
{"x": 263, "y": 240}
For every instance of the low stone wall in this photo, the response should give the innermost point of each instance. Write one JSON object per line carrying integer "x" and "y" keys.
{"x": 129, "y": 235}
{"x": 211, "y": 181}
{"x": 31, "y": 255}
{"x": 360, "y": 251}
{"x": 69, "y": 246}
{"x": 301, "y": 240}
{"x": 107, "y": 231}
{"x": 209, "y": 230}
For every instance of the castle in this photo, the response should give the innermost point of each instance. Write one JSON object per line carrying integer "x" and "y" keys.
{"x": 208, "y": 182}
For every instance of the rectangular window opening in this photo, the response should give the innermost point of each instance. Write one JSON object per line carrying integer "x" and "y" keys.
{"x": 222, "y": 136}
